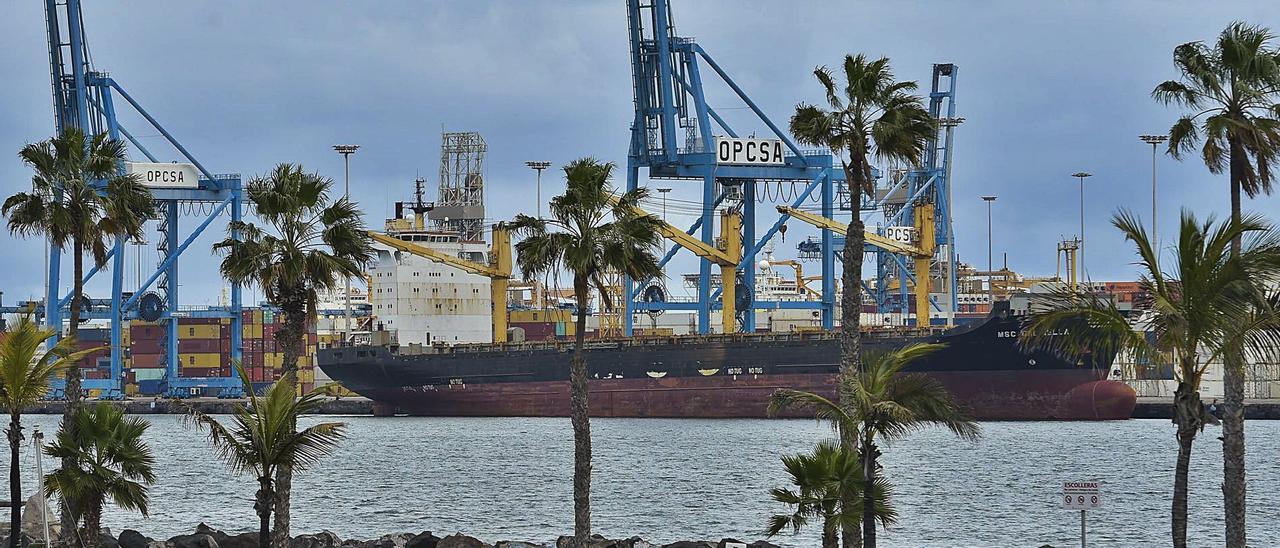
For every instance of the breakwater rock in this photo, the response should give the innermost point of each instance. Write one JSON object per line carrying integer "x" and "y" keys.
{"x": 208, "y": 537}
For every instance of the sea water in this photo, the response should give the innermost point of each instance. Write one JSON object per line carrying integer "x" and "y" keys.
{"x": 669, "y": 479}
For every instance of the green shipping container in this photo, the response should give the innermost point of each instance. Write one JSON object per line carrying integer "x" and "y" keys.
{"x": 149, "y": 374}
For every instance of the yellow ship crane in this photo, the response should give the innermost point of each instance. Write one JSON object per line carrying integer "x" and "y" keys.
{"x": 922, "y": 253}
{"x": 498, "y": 270}
{"x": 726, "y": 256}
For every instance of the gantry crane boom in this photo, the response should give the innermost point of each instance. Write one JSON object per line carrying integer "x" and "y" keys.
{"x": 726, "y": 258}
{"x": 924, "y": 223}
{"x": 498, "y": 270}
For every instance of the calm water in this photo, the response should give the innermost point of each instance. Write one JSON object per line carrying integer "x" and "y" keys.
{"x": 669, "y": 480}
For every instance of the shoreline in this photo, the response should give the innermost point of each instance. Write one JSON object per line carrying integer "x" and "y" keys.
{"x": 208, "y": 537}
{"x": 1147, "y": 407}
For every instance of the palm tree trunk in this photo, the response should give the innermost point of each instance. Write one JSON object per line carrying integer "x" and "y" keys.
{"x": 829, "y": 538}
{"x": 291, "y": 338}
{"x": 67, "y": 510}
{"x": 869, "y": 452}
{"x": 263, "y": 507}
{"x": 578, "y": 413}
{"x": 1233, "y": 480}
{"x": 92, "y": 525}
{"x": 851, "y": 316}
{"x": 1187, "y": 415}
{"x": 15, "y": 479}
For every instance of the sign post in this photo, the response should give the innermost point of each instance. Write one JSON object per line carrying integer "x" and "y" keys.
{"x": 1083, "y": 496}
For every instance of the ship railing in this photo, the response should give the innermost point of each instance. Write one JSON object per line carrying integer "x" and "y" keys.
{"x": 674, "y": 340}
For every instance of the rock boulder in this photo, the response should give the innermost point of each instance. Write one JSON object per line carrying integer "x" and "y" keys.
{"x": 517, "y": 544}
{"x": 34, "y": 512}
{"x": 423, "y": 540}
{"x": 323, "y": 539}
{"x": 200, "y": 540}
{"x": 133, "y": 539}
{"x": 459, "y": 540}
{"x": 398, "y": 540}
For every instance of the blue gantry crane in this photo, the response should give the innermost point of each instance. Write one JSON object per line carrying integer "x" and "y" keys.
{"x": 676, "y": 134}
{"x": 672, "y": 136}
{"x": 85, "y": 98}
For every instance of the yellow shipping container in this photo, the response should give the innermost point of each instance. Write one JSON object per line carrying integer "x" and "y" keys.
{"x": 653, "y": 332}
{"x": 307, "y": 375}
{"x": 203, "y": 359}
{"x": 131, "y": 390}
{"x": 199, "y": 331}
{"x": 252, "y": 331}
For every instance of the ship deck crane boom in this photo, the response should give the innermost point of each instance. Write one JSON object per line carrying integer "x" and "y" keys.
{"x": 498, "y": 270}
{"x": 726, "y": 257}
{"x": 924, "y": 223}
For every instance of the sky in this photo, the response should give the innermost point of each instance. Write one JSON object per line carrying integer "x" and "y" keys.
{"x": 1046, "y": 89}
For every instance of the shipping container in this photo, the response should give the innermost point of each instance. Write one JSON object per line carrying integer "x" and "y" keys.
{"x": 211, "y": 359}
{"x": 199, "y": 331}
{"x": 190, "y": 372}
{"x": 146, "y": 346}
{"x": 203, "y": 346}
{"x": 148, "y": 374}
{"x": 149, "y": 387}
{"x": 148, "y": 361}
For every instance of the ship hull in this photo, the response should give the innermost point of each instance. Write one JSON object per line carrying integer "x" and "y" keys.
{"x": 724, "y": 376}
{"x": 1040, "y": 395}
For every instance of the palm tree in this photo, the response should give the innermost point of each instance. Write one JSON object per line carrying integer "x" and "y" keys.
{"x": 1233, "y": 91}
{"x": 881, "y": 402}
{"x": 79, "y": 198}
{"x": 25, "y": 371}
{"x": 590, "y": 232}
{"x": 825, "y": 478}
{"x": 871, "y": 115}
{"x": 312, "y": 245}
{"x": 262, "y": 438}
{"x": 110, "y": 460}
{"x": 1210, "y": 304}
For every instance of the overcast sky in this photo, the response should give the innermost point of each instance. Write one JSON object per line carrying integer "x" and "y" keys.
{"x": 1046, "y": 88}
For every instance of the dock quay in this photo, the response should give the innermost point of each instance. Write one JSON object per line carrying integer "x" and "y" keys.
{"x": 209, "y": 406}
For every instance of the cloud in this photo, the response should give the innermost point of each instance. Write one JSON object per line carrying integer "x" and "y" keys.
{"x": 247, "y": 84}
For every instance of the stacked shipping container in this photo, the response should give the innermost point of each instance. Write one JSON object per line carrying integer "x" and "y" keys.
{"x": 204, "y": 350}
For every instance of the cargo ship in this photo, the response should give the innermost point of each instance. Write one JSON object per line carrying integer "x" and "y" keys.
{"x": 723, "y": 376}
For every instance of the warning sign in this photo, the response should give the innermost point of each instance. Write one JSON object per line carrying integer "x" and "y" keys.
{"x": 1081, "y": 495}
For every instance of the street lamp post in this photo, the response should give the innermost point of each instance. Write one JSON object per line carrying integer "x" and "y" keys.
{"x": 37, "y": 442}
{"x": 346, "y": 151}
{"x": 539, "y": 166}
{"x": 1081, "y": 176}
{"x": 991, "y": 293}
{"x": 1154, "y": 141}
{"x": 663, "y": 192}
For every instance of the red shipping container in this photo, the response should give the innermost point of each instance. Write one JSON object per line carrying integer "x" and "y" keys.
{"x": 146, "y": 332}
{"x": 199, "y": 372}
{"x": 147, "y": 361}
{"x": 201, "y": 346}
{"x": 147, "y": 346}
